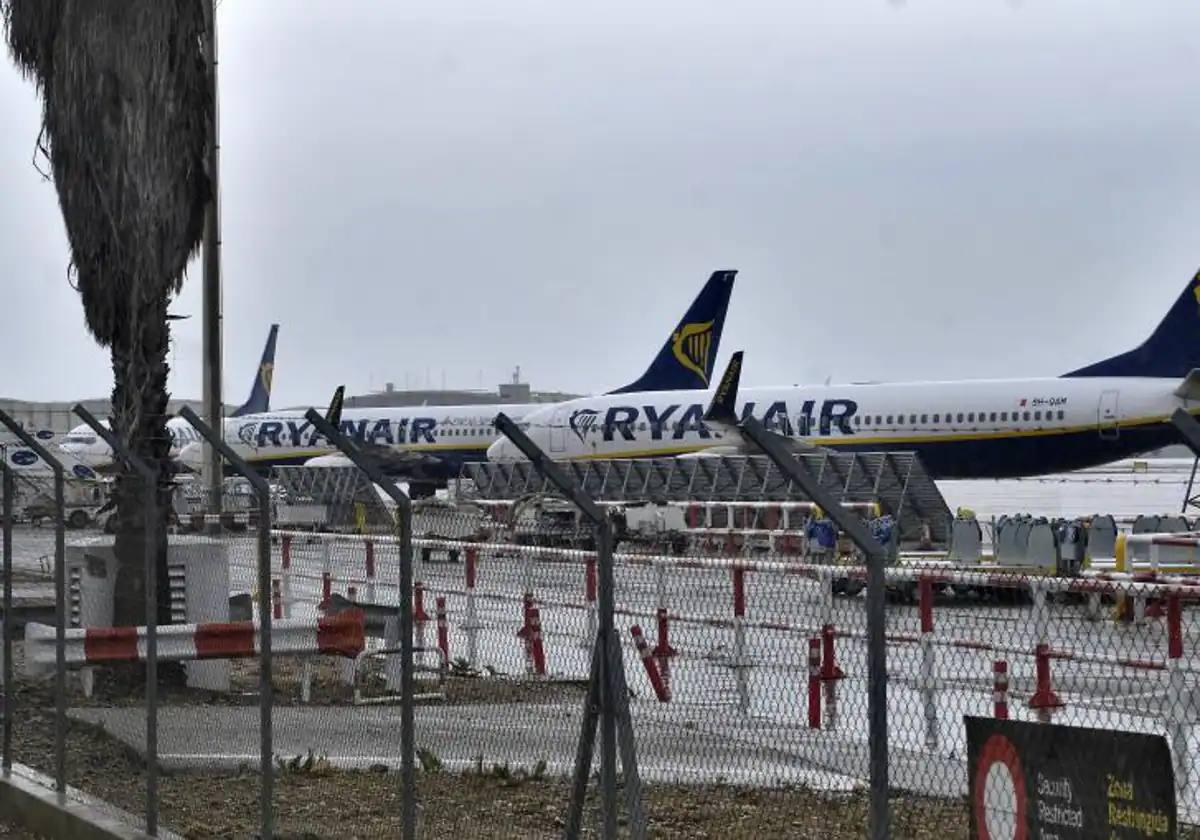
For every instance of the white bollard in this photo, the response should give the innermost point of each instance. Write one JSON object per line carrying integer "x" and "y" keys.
{"x": 1041, "y": 615}
{"x": 392, "y": 666}
{"x": 306, "y": 681}
{"x": 285, "y": 574}
{"x": 929, "y": 691}
{"x": 1177, "y": 724}
{"x": 591, "y": 623}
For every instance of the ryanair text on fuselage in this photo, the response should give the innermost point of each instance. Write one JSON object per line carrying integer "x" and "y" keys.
{"x": 674, "y": 420}
{"x": 399, "y": 431}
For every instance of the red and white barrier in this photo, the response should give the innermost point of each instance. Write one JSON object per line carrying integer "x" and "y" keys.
{"x": 661, "y": 690}
{"x": 340, "y": 635}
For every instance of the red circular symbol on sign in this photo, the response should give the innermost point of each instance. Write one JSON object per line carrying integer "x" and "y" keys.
{"x": 1000, "y": 792}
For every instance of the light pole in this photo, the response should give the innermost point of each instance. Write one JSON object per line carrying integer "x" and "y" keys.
{"x": 211, "y": 471}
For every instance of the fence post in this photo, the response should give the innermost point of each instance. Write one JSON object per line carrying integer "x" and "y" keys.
{"x": 876, "y": 556}
{"x": 1176, "y": 717}
{"x": 408, "y": 820}
{"x": 60, "y": 600}
{"x": 9, "y": 700}
{"x": 149, "y": 476}
{"x": 265, "y": 611}
{"x": 607, "y": 703}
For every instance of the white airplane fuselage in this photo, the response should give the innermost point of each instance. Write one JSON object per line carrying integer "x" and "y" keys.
{"x": 964, "y": 429}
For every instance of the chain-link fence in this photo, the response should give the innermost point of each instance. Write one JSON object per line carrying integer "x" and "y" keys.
{"x": 740, "y": 606}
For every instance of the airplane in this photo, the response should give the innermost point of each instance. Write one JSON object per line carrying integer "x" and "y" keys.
{"x": 1005, "y": 428}
{"x": 427, "y": 445}
{"x": 83, "y": 446}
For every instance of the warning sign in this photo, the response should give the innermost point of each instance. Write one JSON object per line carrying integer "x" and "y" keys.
{"x": 1035, "y": 781}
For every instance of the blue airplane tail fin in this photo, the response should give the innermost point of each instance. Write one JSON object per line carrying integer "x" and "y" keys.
{"x": 685, "y": 362}
{"x": 260, "y": 394}
{"x": 1173, "y": 349}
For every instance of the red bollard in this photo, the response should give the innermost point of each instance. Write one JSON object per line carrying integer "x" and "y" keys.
{"x": 419, "y": 614}
{"x": 925, "y": 603}
{"x": 472, "y": 559}
{"x": 286, "y": 552}
{"x": 814, "y": 683}
{"x": 589, "y": 580}
{"x": 661, "y": 691}
{"x": 739, "y": 592}
{"x": 526, "y": 615}
{"x": 829, "y": 666}
{"x": 1174, "y": 627}
{"x": 1000, "y": 689}
{"x": 370, "y": 562}
{"x": 326, "y": 587}
{"x": 276, "y": 599}
{"x": 693, "y": 516}
{"x": 1044, "y": 696}
{"x": 535, "y": 642}
{"x": 663, "y": 648}
{"x": 443, "y": 630}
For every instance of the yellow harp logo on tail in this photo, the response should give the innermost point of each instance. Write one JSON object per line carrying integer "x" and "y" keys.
{"x": 692, "y": 345}
{"x": 265, "y": 374}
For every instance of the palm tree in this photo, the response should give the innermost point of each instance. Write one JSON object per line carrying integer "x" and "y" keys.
{"x": 125, "y": 107}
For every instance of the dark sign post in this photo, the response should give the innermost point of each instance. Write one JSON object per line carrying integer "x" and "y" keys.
{"x": 1033, "y": 780}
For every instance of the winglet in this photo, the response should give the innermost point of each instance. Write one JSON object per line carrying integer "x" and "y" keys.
{"x": 334, "y": 415}
{"x": 723, "y": 408}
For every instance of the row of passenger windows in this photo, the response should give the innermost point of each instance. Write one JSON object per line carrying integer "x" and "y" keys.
{"x": 455, "y": 432}
{"x": 959, "y": 418}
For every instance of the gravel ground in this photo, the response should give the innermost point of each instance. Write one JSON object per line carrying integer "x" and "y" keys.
{"x": 315, "y": 801}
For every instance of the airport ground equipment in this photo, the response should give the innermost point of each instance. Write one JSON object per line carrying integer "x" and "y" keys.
{"x": 896, "y": 481}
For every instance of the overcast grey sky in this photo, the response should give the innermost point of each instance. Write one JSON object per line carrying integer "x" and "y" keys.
{"x": 910, "y": 190}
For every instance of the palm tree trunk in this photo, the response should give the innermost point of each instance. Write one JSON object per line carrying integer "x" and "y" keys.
{"x": 139, "y": 399}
